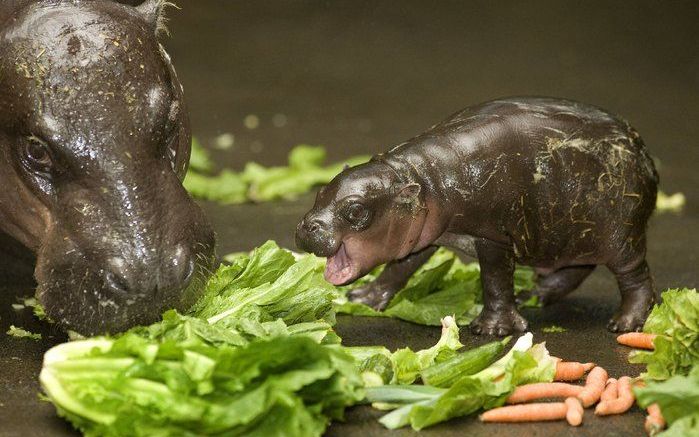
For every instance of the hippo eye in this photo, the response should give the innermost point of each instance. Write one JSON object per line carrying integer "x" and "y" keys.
{"x": 37, "y": 156}
{"x": 356, "y": 213}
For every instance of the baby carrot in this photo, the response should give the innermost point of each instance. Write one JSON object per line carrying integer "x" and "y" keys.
{"x": 542, "y": 390}
{"x": 575, "y": 412}
{"x": 594, "y": 386}
{"x": 611, "y": 391}
{"x": 526, "y": 413}
{"x": 622, "y": 403}
{"x": 570, "y": 370}
{"x": 654, "y": 420}
{"x": 639, "y": 340}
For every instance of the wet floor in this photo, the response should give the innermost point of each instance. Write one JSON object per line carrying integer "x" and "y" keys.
{"x": 360, "y": 76}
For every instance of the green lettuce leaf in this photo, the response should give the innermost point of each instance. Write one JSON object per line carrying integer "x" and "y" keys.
{"x": 489, "y": 388}
{"x": 306, "y": 168}
{"x": 270, "y": 283}
{"x": 676, "y": 321}
{"x": 144, "y": 385}
{"x": 678, "y": 399}
{"x": 380, "y": 366}
{"x": 443, "y": 285}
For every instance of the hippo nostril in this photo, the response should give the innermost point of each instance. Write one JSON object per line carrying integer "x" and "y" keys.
{"x": 189, "y": 272}
{"x": 183, "y": 266}
{"x": 313, "y": 226}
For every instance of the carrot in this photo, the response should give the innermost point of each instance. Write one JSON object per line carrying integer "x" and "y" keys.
{"x": 622, "y": 403}
{"x": 589, "y": 366}
{"x": 611, "y": 391}
{"x": 575, "y": 412}
{"x": 541, "y": 390}
{"x": 654, "y": 420}
{"x": 526, "y": 413}
{"x": 639, "y": 340}
{"x": 594, "y": 386}
{"x": 570, "y": 370}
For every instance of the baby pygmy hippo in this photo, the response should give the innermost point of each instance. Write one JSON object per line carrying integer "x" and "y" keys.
{"x": 554, "y": 184}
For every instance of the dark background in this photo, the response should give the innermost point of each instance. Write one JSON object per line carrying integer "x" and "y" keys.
{"x": 359, "y": 76}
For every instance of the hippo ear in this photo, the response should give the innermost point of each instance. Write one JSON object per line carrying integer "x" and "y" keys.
{"x": 407, "y": 193}
{"x": 153, "y": 12}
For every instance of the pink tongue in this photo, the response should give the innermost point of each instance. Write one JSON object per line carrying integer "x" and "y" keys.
{"x": 339, "y": 269}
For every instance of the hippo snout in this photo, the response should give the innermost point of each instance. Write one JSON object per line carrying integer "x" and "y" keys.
{"x": 313, "y": 235}
{"x": 168, "y": 275}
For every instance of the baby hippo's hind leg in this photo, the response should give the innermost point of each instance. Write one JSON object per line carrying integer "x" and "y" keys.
{"x": 553, "y": 286}
{"x": 394, "y": 276}
{"x": 637, "y": 293}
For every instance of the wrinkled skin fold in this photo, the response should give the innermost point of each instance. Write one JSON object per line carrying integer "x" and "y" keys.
{"x": 94, "y": 143}
{"x": 554, "y": 184}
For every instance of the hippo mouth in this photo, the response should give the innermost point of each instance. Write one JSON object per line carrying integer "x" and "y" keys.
{"x": 340, "y": 269}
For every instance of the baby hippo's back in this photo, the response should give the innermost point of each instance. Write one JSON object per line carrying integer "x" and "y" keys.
{"x": 568, "y": 183}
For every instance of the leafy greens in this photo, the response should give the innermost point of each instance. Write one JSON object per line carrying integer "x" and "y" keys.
{"x": 306, "y": 168}
{"x": 676, "y": 322}
{"x": 443, "y": 285}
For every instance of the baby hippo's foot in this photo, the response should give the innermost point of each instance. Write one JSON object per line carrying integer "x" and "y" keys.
{"x": 499, "y": 323}
{"x": 634, "y": 310}
{"x": 374, "y": 295}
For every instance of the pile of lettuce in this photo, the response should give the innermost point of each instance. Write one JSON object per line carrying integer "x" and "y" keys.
{"x": 443, "y": 285}
{"x": 672, "y": 369}
{"x": 258, "y": 356}
{"x": 306, "y": 169}
{"x": 676, "y": 323}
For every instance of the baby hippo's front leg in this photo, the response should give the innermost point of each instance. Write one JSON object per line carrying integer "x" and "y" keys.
{"x": 394, "y": 276}
{"x": 499, "y": 315}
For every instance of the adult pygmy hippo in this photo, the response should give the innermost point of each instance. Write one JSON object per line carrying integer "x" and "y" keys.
{"x": 94, "y": 142}
{"x": 554, "y": 184}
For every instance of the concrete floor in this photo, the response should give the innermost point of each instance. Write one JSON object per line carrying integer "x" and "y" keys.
{"x": 360, "y": 76}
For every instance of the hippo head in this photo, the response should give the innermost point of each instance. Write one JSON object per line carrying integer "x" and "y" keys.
{"x": 94, "y": 143}
{"x": 366, "y": 216}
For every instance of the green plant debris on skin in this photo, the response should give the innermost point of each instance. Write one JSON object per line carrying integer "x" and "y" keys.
{"x": 443, "y": 285}
{"x": 670, "y": 203}
{"x": 22, "y": 333}
{"x": 306, "y": 168}
{"x": 553, "y": 329}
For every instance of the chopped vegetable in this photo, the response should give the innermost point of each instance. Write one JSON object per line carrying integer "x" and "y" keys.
{"x": 670, "y": 203}
{"x": 443, "y": 285}
{"x": 543, "y": 390}
{"x": 553, "y": 329}
{"x": 594, "y": 387}
{"x": 654, "y": 420}
{"x": 678, "y": 399}
{"x": 405, "y": 365}
{"x": 22, "y": 333}
{"x": 526, "y": 413}
{"x": 446, "y": 373}
{"x": 423, "y": 406}
{"x": 611, "y": 391}
{"x": 571, "y": 371}
{"x": 639, "y": 340}
{"x": 623, "y": 402}
{"x": 575, "y": 412}
{"x": 676, "y": 324}
{"x": 306, "y": 169}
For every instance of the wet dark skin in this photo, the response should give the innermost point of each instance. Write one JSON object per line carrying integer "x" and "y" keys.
{"x": 554, "y": 184}
{"x": 94, "y": 143}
